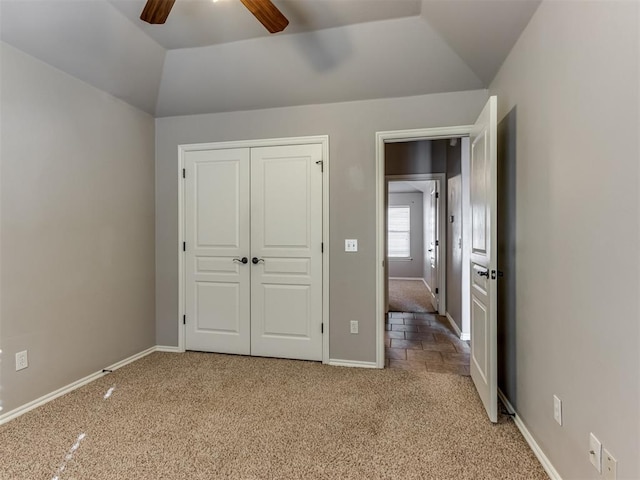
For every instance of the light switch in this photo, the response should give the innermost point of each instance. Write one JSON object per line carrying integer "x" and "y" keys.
{"x": 351, "y": 245}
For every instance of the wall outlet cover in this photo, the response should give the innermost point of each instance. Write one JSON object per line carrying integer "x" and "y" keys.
{"x": 354, "y": 326}
{"x": 609, "y": 466}
{"x": 557, "y": 409}
{"x": 22, "y": 360}
{"x": 595, "y": 452}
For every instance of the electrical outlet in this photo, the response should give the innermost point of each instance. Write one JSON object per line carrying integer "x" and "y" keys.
{"x": 595, "y": 452}
{"x": 354, "y": 326}
{"x": 557, "y": 409}
{"x": 22, "y": 361}
{"x": 609, "y": 466}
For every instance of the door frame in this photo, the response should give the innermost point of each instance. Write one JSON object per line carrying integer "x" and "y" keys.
{"x": 390, "y": 137}
{"x": 441, "y": 234}
{"x": 323, "y": 140}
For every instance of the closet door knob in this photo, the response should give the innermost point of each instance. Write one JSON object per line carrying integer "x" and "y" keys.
{"x": 256, "y": 260}
{"x": 244, "y": 260}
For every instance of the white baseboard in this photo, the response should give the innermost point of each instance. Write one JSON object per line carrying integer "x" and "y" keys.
{"x": 352, "y": 363}
{"x": 505, "y": 401}
{"x": 168, "y": 348}
{"x": 77, "y": 384}
{"x": 465, "y": 337}
{"x": 544, "y": 460}
{"x": 417, "y": 279}
{"x": 431, "y": 296}
{"x": 454, "y": 325}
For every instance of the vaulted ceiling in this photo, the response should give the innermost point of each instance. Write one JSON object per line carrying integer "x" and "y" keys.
{"x": 214, "y": 57}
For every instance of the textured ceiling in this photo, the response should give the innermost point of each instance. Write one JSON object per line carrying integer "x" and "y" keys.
{"x": 333, "y": 50}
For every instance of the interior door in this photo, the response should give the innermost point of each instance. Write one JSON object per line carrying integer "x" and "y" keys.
{"x": 433, "y": 243}
{"x": 286, "y": 250}
{"x": 483, "y": 199}
{"x": 217, "y": 290}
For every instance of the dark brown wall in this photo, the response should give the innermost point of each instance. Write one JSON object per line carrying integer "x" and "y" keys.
{"x": 406, "y": 158}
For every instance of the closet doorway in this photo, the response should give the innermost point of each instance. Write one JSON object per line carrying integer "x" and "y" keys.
{"x": 252, "y": 249}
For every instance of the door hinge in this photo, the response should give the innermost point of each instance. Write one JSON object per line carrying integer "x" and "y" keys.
{"x": 321, "y": 163}
{"x": 184, "y": 173}
{"x": 437, "y": 291}
{"x": 437, "y": 243}
{"x": 322, "y": 328}
{"x": 322, "y": 247}
{"x": 382, "y": 263}
{"x": 184, "y": 319}
{"x": 437, "y": 195}
{"x": 184, "y": 246}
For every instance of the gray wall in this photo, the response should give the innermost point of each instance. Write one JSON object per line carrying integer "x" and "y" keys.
{"x": 410, "y": 268}
{"x": 573, "y": 76}
{"x": 77, "y": 223}
{"x": 351, "y": 128}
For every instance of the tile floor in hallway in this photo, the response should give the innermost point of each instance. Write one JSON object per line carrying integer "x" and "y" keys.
{"x": 424, "y": 341}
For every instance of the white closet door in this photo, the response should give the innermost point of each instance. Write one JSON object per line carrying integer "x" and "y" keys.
{"x": 217, "y": 290}
{"x": 286, "y": 236}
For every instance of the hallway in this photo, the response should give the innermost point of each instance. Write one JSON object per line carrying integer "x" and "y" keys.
{"x": 424, "y": 342}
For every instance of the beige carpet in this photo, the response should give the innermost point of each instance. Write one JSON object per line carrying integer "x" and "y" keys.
{"x": 207, "y": 416}
{"x": 409, "y": 296}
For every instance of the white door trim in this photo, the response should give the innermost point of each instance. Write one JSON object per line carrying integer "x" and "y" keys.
{"x": 441, "y": 231}
{"x": 268, "y": 142}
{"x": 381, "y": 139}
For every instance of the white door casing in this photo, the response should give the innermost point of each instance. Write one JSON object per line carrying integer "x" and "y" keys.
{"x": 286, "y": 243}
{"x": 454, "y": 258}
{"x": 279, "y": 299}
{"x": 217, "y": 288}
{"x": 483, "y": 257}
{"x": 433, "y": 249}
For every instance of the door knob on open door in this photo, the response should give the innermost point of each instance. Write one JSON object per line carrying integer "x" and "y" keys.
{"x": 256, "y": 260}
{"x": 483, "y": 274}
{"x": 241, "y": 260}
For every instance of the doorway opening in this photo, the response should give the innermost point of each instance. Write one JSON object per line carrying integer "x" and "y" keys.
{"x": 423, "y": 328}
{"x": 415, "y": 247}
{"x": 423, "y": 170}
{"x": 479, "y": 243}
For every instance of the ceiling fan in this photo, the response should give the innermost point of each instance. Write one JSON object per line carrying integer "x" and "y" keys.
{"x": 157, "y": 11}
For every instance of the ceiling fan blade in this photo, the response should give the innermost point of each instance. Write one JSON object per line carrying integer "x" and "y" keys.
{"x": 156, "y": 11}
{"x": 267, "y": 13}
